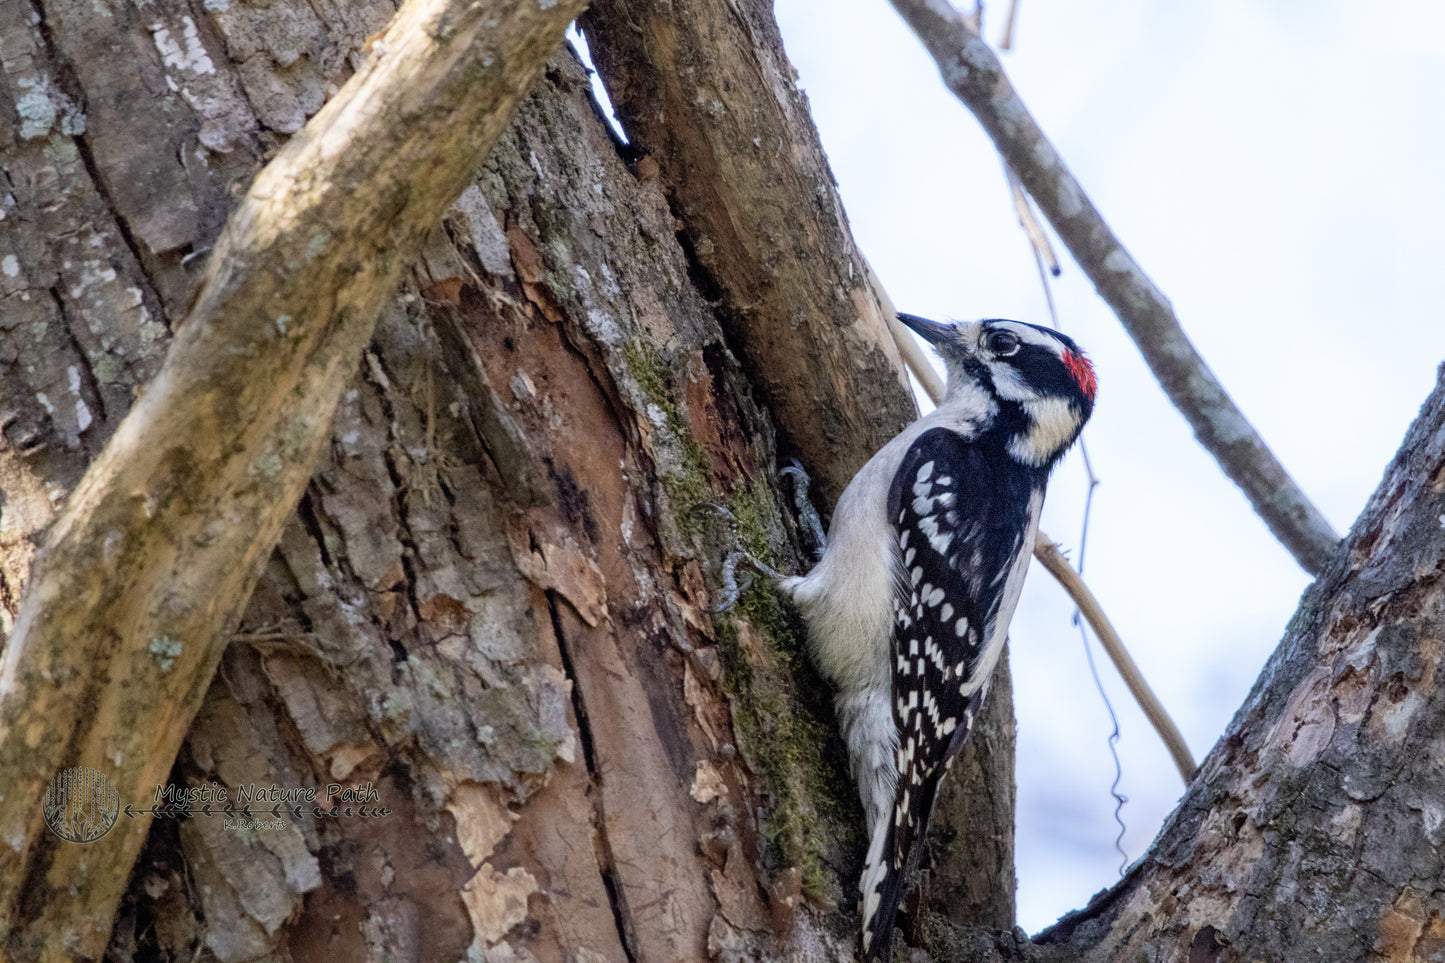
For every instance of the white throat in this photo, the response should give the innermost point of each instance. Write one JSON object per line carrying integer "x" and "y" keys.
{"x": 1054, "y": 423}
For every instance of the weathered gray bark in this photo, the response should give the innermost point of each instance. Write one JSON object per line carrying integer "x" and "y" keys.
{"x": 148, "y": 566}
{"x": 492, "y": 599}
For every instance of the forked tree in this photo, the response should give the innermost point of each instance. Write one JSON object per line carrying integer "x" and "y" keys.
{"x": 380, "y": 444}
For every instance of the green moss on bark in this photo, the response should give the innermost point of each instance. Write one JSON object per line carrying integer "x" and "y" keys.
{"x": 782, "y": 717}
{"x": 780, "y": 708}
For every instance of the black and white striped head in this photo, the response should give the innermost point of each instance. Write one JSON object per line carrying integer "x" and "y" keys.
{"x": 1037, "y": 373}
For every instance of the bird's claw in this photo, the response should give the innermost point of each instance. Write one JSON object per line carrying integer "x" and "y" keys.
{"x": 809, "y": 523}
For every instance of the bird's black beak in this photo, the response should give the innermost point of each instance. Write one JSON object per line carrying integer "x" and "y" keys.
{"x": 930, "y": 331}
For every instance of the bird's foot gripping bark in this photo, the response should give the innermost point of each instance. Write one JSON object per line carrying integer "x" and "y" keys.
{"x": 735, "y": 583}
{"x": 810, "y": 528}
{"x": 809, "y": 523}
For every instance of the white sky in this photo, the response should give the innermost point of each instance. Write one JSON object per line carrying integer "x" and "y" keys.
{"x": 1276, "y": 168}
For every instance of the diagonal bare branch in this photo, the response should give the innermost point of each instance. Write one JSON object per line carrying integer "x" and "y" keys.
{"x": 1052, "y": 559}
{"x": 140, "y": 586}
{"x": 974, "y": 75}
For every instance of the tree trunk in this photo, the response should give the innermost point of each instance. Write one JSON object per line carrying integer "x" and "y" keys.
{"x": 147, "y": 570}
{"x": 492, "y": 603}
{"x": 1314, "y": 828}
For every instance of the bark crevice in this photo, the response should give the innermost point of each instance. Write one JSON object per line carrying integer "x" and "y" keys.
{"x": 84, "y": 368}
{"x": 68, "y": 80}
{"x": 606, "y": 862}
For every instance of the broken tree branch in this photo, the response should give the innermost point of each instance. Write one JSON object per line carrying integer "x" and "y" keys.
{"x": 973, "y": 73}
{"x": 140, "y": 586}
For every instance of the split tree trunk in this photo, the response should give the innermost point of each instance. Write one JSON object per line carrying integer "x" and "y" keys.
{"x": 492, "y": 601}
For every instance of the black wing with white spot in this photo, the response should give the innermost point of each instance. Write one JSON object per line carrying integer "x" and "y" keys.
{"x": 960, "y": 513}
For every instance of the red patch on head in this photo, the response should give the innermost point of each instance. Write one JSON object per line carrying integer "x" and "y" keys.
{"x": 1083, "y": 373}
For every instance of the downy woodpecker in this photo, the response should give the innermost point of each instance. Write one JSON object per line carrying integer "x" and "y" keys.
{"x": 909, "y": 606}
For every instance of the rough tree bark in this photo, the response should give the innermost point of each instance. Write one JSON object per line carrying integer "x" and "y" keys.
{"x": 1314, "y": 829}
{"x": 492, "y": 599}
{"x": 524, "y": 247}
{"x": 148, "y": 567}
{"x": 707, "y": 93}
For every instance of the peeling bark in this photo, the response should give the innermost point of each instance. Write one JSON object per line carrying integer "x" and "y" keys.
{"x": 507, "y": 631}
{"x": 145, "y": 572}
{"x": 492, "y": 602}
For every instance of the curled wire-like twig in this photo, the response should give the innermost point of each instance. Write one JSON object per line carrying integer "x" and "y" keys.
{"x": 1043, "y": 253}
{"x": 1052, "y": 559}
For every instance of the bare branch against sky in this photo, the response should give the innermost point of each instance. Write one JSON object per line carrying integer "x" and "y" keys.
{"x": 973, "y": 73}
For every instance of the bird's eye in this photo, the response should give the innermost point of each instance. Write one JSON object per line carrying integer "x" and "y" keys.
{"x": 1001, "y": 344}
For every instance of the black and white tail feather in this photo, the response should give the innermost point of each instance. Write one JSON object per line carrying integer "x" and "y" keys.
{"x": 910, "y": 604}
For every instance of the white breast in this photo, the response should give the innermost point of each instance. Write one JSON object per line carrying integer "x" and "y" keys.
{"x": 848, "y": 597}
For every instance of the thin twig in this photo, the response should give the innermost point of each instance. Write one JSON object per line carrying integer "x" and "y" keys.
{"x": 1043, "y": 253}
{"x": 1047, "y": 553}
{"x": 1120, "y": 800}
{"x": 913, "y": 354}
{"x": 1006, "y": 42}
{"x": 973, "y": 73}
{"x": 1043, "y": 250}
